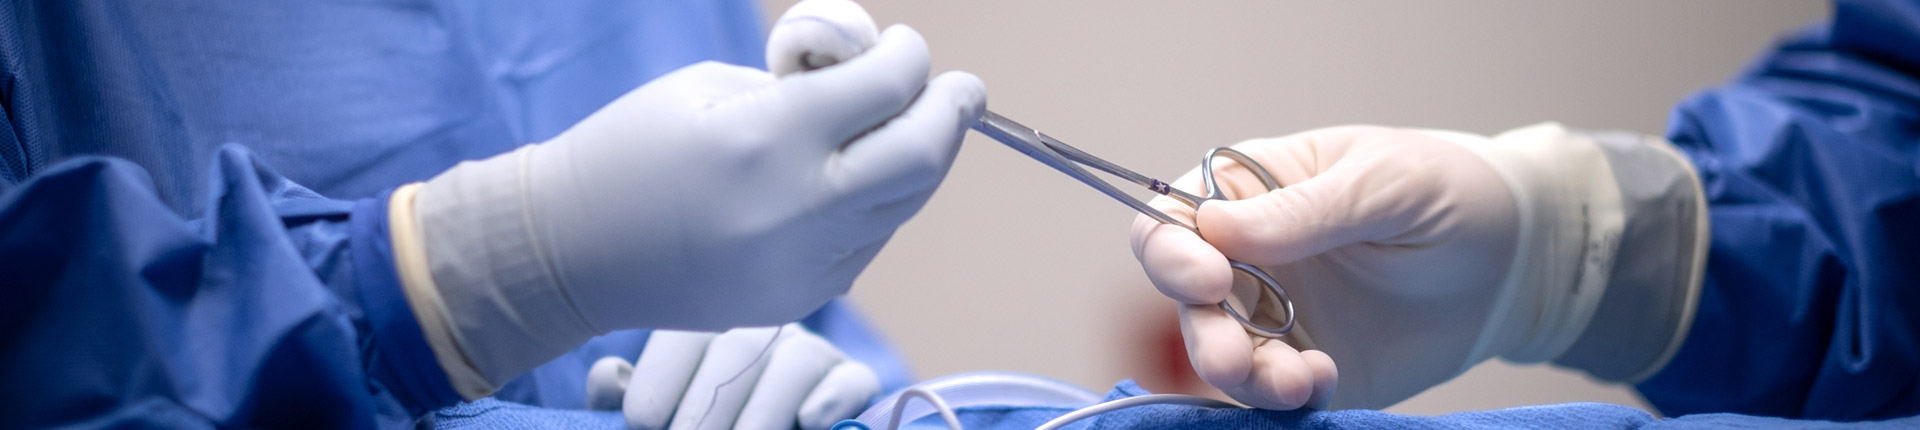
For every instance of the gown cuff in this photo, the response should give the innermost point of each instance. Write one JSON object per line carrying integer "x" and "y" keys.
{"x": 400, "y": 359}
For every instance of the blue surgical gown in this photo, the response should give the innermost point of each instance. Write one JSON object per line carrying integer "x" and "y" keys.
{"x": 190, "y": 198}
{"x": 1810, "y": 159}
{"x": 192, "y": 228}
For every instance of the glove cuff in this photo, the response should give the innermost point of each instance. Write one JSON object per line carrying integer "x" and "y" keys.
{"x": 497, "y": 294}
{"x": 416, "y": 282}
{"x": 1656, "y": 280}
{"x": 1569, "y": 231}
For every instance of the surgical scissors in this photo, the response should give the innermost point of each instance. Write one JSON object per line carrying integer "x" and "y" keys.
{"x": 1068, "y": 159}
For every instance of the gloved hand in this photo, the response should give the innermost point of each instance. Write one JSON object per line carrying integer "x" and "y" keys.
{"x": 713, "y": 197}
{"x": 1412, "y": 255}
{"x": 744, "y": 378}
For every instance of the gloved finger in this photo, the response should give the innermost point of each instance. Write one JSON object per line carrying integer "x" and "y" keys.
{"x": 727, "y": 376}
{"x": 1290, "y": 159}
{"x": 1217, "y": 346}
{"x": 1270, "y": 375}
{"x": 1326, "y": 377}
{"x": 607, "y": 383}
{"x": 818, "y": 33}
{"x": 1179, "y": 263}
{"x": 1282, "y": 378}
{"x": 841, "y": 395}
{"x": 661, "y": 375}
{"x": 912, "y": 153}
{"x": 1350, "y": 201}
{"x": 794, "y": 368}
{"x": 836, "y": 103}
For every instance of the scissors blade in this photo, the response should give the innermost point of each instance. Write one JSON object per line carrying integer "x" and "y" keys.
{"x": 1067, "y": 159}
{"x": 1024, "y": 139}
{"x": 1036, "y": 144}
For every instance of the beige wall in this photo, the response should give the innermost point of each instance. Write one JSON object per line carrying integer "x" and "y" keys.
{"x": 1015, "y": 267}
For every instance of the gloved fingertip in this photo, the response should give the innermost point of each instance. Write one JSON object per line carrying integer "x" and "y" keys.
{"x": 1326, "y": 378}
{"x": 1219, "y": 370}
{"x": 967, "y": 93}
{"x": 607, "y": 383}
{"x": 662, "y": 375}
{"x": 901, "y": 39}
{"x": 857, "y": 94}
{"x": 903, "y": 33}
{"x": 817, "y": 33}
{"x": 842, "y": 394}
{"x": 1287, "y": 381}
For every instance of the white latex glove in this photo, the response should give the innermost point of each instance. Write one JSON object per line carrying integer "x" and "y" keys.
{"x": 1413, "y": 255}
{"x": 713, "y": 197}
{"x": 802, "y": 380}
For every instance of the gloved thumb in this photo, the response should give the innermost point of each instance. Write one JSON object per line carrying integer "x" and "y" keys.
{"x": 1281, "y": 226}
{"x": 819, "y": 33}
{"x": 1348, "y": 196}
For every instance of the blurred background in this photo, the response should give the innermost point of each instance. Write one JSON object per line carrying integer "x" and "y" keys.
{"x": 1015, "y": 267}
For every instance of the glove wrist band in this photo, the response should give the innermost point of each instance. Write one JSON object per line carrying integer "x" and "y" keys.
{"x": 500, "y": 301}
{"x": 1569, "y": 230}
{"x": 416, "y": 280}
{"x": 1655, "y": 282}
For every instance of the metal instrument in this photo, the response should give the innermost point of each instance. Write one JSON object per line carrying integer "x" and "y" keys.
{"x": 1068, "y": 159}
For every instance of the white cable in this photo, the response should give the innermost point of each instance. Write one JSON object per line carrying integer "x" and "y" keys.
{"x": 1150, "y": 399}
{"x": 984, "y": 388}
{"x": 953, "y": 422}
{"x": 946, "y": 413}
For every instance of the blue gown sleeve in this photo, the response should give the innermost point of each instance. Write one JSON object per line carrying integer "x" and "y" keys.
{"x": 1811, "y": 163}
{"x": 346, "y": 98}
{"x": 281, "y": 308}
{"x": 117, "y": 312}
